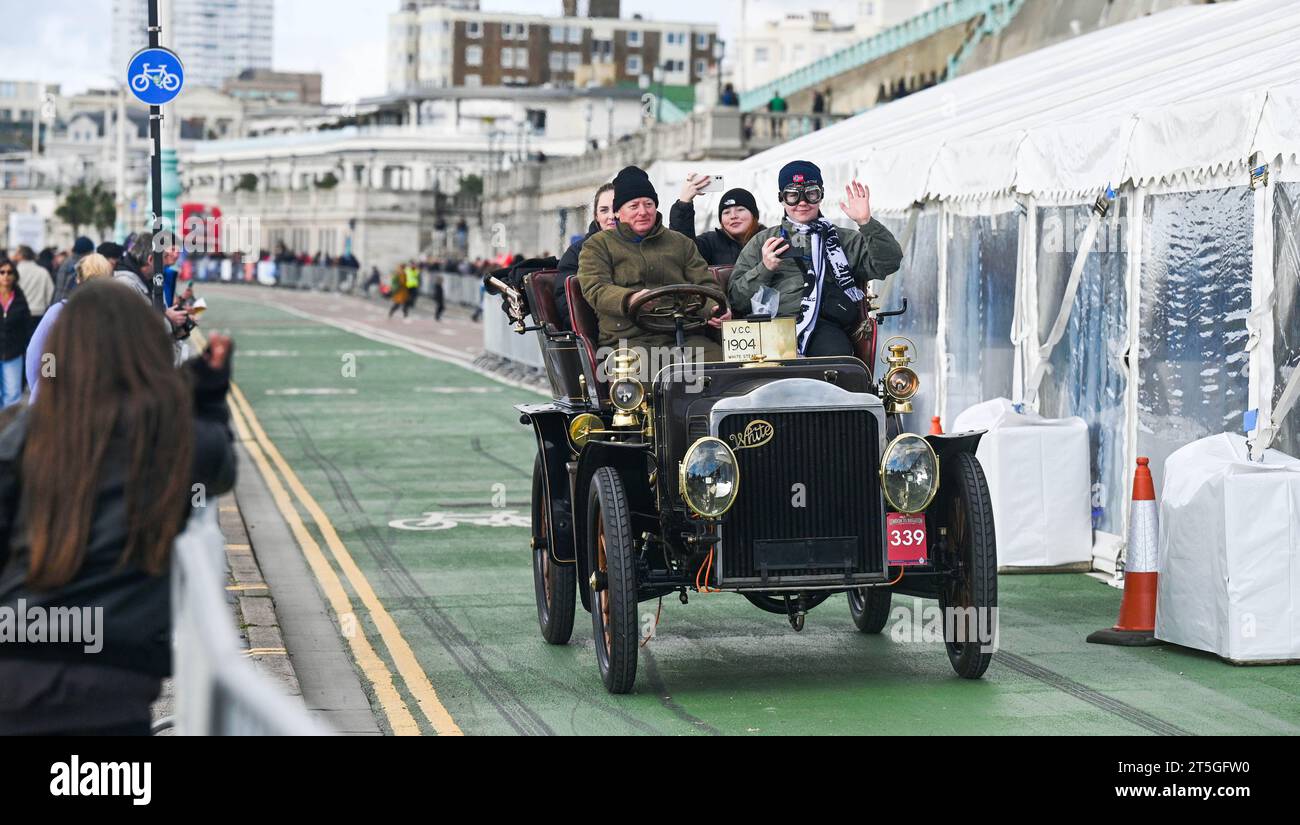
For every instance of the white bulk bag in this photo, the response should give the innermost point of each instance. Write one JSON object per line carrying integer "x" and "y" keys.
{"x": 1230, "y": 551}
{"x": 1040, "y": 483}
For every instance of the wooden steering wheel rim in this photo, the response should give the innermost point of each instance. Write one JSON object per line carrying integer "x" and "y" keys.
{"x": 680, "y": 293}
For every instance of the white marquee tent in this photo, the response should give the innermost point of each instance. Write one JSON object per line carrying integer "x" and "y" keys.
{"x": 1182, "y": 319}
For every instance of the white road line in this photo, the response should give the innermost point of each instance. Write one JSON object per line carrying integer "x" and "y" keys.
{"x": 311, "y": 391}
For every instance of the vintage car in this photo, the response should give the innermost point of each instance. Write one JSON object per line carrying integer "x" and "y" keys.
{"x": 785, "y": 480}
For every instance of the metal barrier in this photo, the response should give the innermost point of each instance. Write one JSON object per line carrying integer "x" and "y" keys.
{"x": 464, "y": 290}
{"x": 317, "y": 277}
{"x": 500, "y": 339}
{"x": 458, "y": 290}
{"x": 218, "y": 691}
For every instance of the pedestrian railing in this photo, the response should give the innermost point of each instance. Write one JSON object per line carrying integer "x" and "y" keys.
{"x": 764, "y": 130}
{"x": 218, "y": 691}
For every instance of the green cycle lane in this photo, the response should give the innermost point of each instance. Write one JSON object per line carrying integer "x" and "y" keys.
{"x": 403, "y": 436}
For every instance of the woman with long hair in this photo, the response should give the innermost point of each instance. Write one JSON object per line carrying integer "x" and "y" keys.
{"x": 15, "y": 331}
{"x": 96, "y": 481}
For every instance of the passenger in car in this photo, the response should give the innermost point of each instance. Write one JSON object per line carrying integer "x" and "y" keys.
{"x": 818, "y": 269}
{"x": 737, "y": 218}
{"x": 603, "y": 218}
{"x": 640, "y": 254}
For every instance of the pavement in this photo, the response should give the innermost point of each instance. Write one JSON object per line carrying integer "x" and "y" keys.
{"x": 403, "y": 475}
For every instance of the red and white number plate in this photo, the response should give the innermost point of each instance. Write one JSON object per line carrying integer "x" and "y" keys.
{"x": 907, "y": 539}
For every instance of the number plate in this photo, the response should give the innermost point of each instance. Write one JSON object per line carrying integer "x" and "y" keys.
{"x": 906, "y": 537}
{"x": 744, "y": 341}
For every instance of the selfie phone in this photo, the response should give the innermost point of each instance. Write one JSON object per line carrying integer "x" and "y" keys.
{"x": 714, "y": 185}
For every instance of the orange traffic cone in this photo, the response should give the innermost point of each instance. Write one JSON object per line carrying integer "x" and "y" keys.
{"x": 936, "y": 428}
{"x": 1137, "y": 611}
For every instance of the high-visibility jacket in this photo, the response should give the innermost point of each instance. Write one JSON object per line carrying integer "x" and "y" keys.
{"x": 412, "y": 278}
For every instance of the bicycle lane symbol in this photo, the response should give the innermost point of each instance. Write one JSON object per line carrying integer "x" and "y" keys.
{"x": 155, "y": 76}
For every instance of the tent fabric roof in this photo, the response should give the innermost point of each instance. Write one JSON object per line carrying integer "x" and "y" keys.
{"x": 1181, "y": 94}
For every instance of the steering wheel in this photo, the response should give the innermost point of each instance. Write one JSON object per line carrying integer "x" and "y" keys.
{"x": 663, "y": 308}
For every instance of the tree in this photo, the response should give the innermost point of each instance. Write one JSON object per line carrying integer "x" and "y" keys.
{"x": 327, "y": 181}
{"x": 247, "y": 183}
{"x": 471, "y": 185}
{"x": 87, "y": 207}
{"x": 104, "y": 216}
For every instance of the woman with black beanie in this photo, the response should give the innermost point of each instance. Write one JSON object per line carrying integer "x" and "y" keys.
{"x": 737, "y": 214}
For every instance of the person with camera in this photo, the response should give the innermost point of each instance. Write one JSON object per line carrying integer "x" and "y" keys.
{"x": 818, "y": 270}
{"x": 97, "y": 478}
{"x": 737, "y": 218}
{"x": 135, "y": 270}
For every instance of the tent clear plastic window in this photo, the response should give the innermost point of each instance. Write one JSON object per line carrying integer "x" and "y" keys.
{"x": 1088, "y": 375}
{"x": 1196, "y": 271}
{"x": 1286, "y": 306}
{"x": 982, "y": 254}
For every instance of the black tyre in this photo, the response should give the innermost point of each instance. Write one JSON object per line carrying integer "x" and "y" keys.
{"x": 967, "y": 513}
{"x": 613, "y": 608}
{"x": 869, "y": 607}
{"x": 555, "y": 585}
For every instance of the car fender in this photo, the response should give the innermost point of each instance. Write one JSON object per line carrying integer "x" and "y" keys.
{"x": 551, "y": 426}
{"x": 954, "y": 443}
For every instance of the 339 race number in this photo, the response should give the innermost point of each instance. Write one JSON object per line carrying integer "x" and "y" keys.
{"x": 907, "y": 539}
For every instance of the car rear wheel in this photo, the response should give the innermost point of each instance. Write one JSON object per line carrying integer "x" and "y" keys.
{"x": 555, "y": 585}
{"x": 613, "y": 614}
{"x": 869, "y": 607}
{"x": 969, "y": 600}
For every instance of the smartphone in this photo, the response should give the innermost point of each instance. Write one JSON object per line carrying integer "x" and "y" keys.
{"x": 715, "y": 184}
{"x": 791, "y": 251}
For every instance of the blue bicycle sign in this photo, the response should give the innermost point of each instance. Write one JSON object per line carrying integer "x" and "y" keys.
{"x": 155, "y": 76}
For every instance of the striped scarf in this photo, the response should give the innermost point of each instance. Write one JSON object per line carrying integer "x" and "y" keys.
{"x": 825, "y": 248}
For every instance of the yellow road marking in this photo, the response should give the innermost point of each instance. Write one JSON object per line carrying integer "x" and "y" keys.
{"x": 417, "y": 681}
{"x": 266, "y": 651}
{"x": 240, "y": 549}
{"x": 390, "y": 701}
{"x": 234, "y": 588}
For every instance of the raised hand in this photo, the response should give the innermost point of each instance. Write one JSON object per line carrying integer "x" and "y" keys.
{"x": 857, "y": 202}
{"x": 694, "y": 183}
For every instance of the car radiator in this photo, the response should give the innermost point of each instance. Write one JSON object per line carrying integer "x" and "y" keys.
{"x": 808, "y": 509}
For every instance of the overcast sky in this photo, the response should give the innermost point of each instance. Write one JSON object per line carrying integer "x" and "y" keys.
{"x": 68, "y": 41}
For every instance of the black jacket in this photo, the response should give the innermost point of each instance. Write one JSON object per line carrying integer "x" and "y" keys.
{"x": 568, "y": 268}
{"x": 16, "y": 327}
{"x": 135, "y": 629}
{"x": 716, "y": 246}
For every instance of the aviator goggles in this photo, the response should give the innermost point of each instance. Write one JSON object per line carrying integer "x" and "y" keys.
{"x": 812, "y": 193}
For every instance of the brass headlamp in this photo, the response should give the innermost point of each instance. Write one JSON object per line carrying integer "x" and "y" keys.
{"x": 626, "y": 392}
{"x": 901, "y": 382}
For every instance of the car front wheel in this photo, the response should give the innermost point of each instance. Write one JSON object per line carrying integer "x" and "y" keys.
{"x": 969, "y": 599}
{"x": 613, "y": 614}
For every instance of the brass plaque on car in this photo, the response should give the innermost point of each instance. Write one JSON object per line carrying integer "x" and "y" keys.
{"x": 744, "y": 341}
